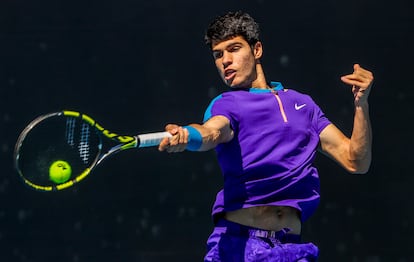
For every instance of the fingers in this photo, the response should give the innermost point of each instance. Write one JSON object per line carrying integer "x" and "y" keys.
{"x": 178, "y": 141}
{"x": 180, "y": 136}
{"x": 164, "y": 144}
{"x": 361, "y": 81}
{"x": 361, "y": 77}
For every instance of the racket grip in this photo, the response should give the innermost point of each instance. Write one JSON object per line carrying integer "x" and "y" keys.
{"x": 152, "y": 139}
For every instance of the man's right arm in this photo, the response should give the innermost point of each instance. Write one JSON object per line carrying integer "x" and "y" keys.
{"x": 207, "y": 136}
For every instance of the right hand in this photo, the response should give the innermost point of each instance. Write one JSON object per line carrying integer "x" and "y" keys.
{"x": 178, "y": 141}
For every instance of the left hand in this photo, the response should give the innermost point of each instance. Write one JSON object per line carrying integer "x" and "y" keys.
{"x": 361, "y": 81}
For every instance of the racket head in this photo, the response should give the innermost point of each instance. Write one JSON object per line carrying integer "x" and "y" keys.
{"x": 60, "y": 136}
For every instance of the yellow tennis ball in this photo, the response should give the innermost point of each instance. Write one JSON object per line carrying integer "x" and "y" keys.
{"x": 60, "y": 171}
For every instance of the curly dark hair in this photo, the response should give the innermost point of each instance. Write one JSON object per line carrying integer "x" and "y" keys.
{"x": 231, "y": 25}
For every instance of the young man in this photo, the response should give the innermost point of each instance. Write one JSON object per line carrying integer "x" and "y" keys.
{"x": 266, "y": 138}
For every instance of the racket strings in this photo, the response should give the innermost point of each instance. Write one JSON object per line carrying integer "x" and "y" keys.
{"x": 84, "y": 143}
{"x": 70, "y": 131}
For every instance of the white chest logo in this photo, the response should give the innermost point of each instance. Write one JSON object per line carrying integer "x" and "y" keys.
{"x": 299, "y": 107}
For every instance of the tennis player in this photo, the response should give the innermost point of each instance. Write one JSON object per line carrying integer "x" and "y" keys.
{"x": 266, "y": 138}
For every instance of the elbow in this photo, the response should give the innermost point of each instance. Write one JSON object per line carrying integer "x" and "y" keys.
{"x": 359, "y": 171}
{"x": 359, "y": 167}
{"x": 359, "y": 164}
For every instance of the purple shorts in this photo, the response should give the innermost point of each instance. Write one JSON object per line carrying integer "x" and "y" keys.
{"x": 234, "y": 242}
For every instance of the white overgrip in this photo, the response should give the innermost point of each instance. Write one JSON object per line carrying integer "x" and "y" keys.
{"x": 152, "y": 139}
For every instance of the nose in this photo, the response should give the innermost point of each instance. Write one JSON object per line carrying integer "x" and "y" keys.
{"x": 227, "y": 59}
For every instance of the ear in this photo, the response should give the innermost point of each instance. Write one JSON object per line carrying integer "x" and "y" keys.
{"x": 258, "y": 50}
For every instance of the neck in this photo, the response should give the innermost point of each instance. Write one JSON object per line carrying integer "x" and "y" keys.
{"x": 260, "y": 81}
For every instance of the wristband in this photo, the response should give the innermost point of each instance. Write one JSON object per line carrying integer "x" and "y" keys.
{"x": 194, "y": 138}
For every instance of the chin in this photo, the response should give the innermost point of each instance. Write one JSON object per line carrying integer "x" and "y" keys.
{"x": 238, "y": 86}
{"x": 233, "y": 84}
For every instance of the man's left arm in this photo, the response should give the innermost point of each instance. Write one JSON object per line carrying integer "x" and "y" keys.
{"x": 354, "y": 153}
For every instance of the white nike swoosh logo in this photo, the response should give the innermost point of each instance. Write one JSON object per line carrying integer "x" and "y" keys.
{"x": 299, "y": 107}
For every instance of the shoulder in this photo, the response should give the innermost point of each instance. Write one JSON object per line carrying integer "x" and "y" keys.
{"x": 222, "y": 104}
{"x": 224, "y": 97}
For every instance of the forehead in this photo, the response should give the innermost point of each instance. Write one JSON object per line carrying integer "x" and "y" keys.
{"x": 228, "y": 42}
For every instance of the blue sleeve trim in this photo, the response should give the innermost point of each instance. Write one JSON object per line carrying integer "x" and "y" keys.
{"x": 195, "y": 140}
{"x": 207, "y": 113}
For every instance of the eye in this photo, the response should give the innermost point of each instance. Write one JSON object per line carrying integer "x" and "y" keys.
{"x": 217, "y": 54}
{"x": 235, "y": 48}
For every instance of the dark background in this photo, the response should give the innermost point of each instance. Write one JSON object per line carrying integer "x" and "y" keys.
{"x": 137, "y": 65}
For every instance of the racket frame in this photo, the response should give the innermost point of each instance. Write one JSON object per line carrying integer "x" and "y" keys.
{"x": 125, "y": 142}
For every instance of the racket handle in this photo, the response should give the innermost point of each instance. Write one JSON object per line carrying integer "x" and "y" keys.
{"x": 152, "y": 139}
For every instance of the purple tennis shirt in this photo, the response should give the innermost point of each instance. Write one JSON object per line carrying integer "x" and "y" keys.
{"x": 270, "y": 159}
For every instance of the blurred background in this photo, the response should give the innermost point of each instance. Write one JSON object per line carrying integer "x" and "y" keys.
{"x": 137, "y": 65}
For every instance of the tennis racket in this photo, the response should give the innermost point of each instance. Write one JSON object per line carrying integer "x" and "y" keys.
{"x": 58, "y": 150}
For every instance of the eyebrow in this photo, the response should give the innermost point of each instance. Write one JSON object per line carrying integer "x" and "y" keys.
{"x": 231, "y": 44}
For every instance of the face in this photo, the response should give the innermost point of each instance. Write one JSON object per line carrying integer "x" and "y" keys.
{"x": 236, "y": 61}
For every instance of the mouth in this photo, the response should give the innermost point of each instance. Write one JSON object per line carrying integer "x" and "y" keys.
{"x": 229, "y": 74}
